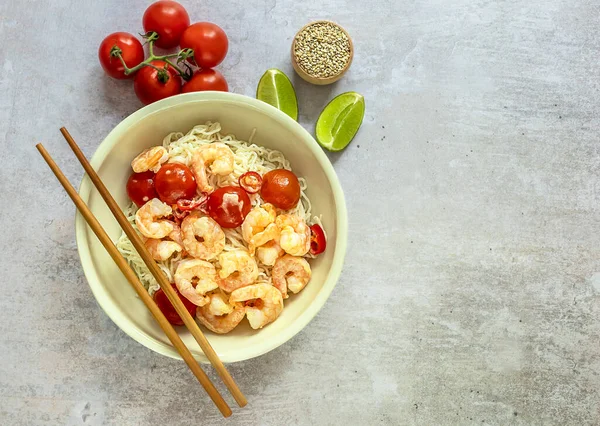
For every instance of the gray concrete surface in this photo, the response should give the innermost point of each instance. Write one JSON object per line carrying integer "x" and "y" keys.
{"x": 471, "y": 290}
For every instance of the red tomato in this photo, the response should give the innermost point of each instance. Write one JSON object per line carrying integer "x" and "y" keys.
{"x": 174, "y": 181}
{"x": 206, "y": 80}
{"x": 281, "y": 188}
{"x": 318, "y": 242}
{"x": 251, "y": 182}
{"x": 151, "y": 85}
{"x": 162, "y": 301}
{"x": 131, "y": 51}
{"x": 208, "y": 41}
{"x": 228, "y": 206}
{"x": 168, "y": 19}
{"x": 140, "y": 187}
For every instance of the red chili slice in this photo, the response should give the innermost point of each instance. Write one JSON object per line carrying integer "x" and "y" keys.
{"x": 318, "y": 242}
{"x": 251, "y": 182}
{"x": 179, "y": 215}
{"x": 187, "y": 205}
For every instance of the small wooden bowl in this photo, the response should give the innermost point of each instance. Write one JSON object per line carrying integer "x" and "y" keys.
{"x": 314, "y": 79}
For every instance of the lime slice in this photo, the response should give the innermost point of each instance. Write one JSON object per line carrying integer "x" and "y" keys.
{"x": 340, "y": 120}
{"x": 275, "y": 88}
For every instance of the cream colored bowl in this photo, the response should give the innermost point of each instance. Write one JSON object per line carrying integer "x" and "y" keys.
{"x": 238, "y": 115}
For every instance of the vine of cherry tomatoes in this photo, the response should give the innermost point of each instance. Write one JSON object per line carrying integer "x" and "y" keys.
{"x": 166, "y": 24}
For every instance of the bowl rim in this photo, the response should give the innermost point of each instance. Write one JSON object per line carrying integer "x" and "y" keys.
{"x": 89, "y": 269}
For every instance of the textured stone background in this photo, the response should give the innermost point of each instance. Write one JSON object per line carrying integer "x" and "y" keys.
{"x": 471, "y": 289}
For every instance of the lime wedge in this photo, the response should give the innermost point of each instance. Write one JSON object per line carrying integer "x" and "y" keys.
{"x": 275, "y": 88}
{"x": 340, "y": 120}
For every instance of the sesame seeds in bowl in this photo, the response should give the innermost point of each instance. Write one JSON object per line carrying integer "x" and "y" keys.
{"x": 322, "y": 52}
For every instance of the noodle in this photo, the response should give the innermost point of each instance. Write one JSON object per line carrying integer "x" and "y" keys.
{"x": 247, "y": 157}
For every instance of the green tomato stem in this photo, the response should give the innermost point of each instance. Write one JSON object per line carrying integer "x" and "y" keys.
{"x": 181, "y": 73}
{"x": 151, "y": 48}
{"x": 152, "y": 57}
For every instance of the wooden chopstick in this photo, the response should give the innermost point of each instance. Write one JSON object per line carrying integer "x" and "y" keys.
{"x": 137, "y": 242}
{"x": 137, "y": 285}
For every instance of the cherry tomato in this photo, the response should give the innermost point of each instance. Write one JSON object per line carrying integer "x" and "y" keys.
{"x": 140, "y": 187}
{"x": 318, "y": 242}
{"x": 151, "y": 85}
{"x": 174, "y": 181}
{"x": 251, "y": 182}
{"x": 281, "y": 188}
{"x": 131, "y": 51}
{"x": 206, "y": 80}
{"x": 168, "y": 19}
{"x": 162, "y": 301}
{"x": 228, "y": 206}
{"x": 208, "y": 41}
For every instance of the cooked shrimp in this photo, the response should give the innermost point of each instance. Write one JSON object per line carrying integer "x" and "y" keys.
{"x": 259, "y": 227}
{"x": 146, "y": 219}
{"x": 291, "y": 272}
{"x": 162, "y": 250}
{"x": 203, "y": 238}
{"x": 175, "y": 235}
{"x": 194, "y": 278}
{"x": 219, "y": 304}
{"x": 263, "y": 303}
{"x": 150, "y": 159}
{"x": 217, "y": 156}
{"x": 294, "y": 234}
{"x": 238, "y": 269}
{"x": 269, "y": 253}
{"x": 165, "y": 248}
{"x": 223, "y": 318}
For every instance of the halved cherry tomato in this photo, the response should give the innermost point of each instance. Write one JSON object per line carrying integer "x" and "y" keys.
{"x": 152, "y": 84}
{"x": 168, "y": 19}
{"x": 162, "y": 301}
{"x": 208, "y": 41}
{"x": 318, "y": 242}
{"x": 187, "y": 205}
{"x": 251, "y": 182}
{"x": 281, "y": 188}
{"x": 140, "y": 187}
{"x": 174, "y": 181}
{"x": 128, "y": 46}
{"x": 229, "y": 206}
{"x": 206, "y": 79}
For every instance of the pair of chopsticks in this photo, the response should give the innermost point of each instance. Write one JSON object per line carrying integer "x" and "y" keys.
{"x": 165, "y": 285}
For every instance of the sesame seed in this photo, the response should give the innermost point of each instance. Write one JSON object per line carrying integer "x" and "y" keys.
{"x": 322, "y": 49}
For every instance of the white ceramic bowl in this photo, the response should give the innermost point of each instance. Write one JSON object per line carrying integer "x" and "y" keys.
{"x": 238, "y": 115}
